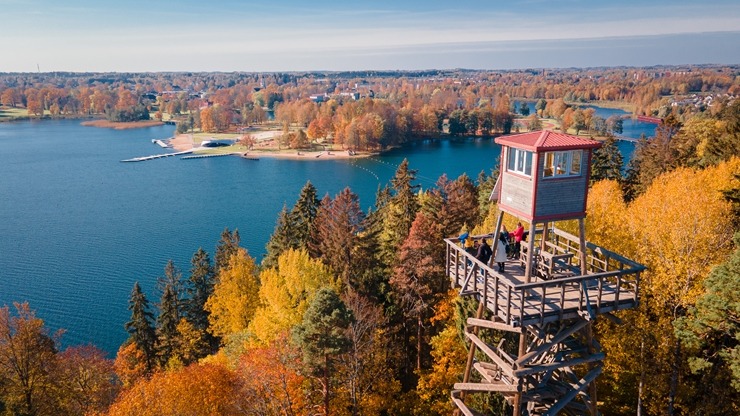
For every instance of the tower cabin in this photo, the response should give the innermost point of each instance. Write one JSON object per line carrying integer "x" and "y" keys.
{"x": 539, "y": 352}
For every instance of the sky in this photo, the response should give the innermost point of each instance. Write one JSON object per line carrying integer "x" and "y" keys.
{"x": 323, "y": 35}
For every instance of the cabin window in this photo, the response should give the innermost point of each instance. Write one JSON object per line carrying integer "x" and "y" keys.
{"x": 559, "y": 164}
{"x": 520, "y": 161}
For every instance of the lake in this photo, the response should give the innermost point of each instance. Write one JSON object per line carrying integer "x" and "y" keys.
{"x": 79, "y": 227}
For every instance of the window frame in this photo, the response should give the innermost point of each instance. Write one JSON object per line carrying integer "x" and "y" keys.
{"x": 520, "y": 161}
{"x": 562, "y": 164}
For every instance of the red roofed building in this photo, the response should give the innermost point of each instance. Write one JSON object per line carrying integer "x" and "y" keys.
{"x": 544, "y": 175}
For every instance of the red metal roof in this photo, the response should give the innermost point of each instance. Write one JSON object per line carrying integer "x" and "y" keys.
{"x": 546, "y": 140}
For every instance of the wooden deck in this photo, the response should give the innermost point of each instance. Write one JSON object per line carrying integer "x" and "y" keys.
{"x": 611, "y": 283}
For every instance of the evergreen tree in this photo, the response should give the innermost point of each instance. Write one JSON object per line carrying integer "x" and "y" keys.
{"x": 281, "y": 239}
{"x": 399, "y": 212}
{"x": 303, "y": 214}
{"x": 485, "y": 183}
{"x": 712, "y": 334}
{"x": 200, "y": 287}
{"x": 173, "y": 278}
{"x": 226, "y": 247}
{"x": 322, "y": 338}
{"x": 607, "y": 162}
{"x": 167, "y": 321}
{"x": 140, "y": 326}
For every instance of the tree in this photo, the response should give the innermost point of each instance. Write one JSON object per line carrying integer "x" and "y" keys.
{"x": 711, "y": 331}
{"x": 271, "y": 381}
{"x": 226, "y": 247}
{"x": 365, "y": 371}
{"x": 524, "y": 109}
{"x": 140, "y": 328}
{"x": 303, "y": 214}
{"x": 534, "y": 123}
{"x": 321, "y": 337}
{"x": 283, "y": 238}
{"x": 286, "y": 291}
{"x": 167, "y": 321}
{"x": 199, "y": 289}
{"x": 419, "y": 277}
{"x": 173, "y": 278}
{"x": 86, "y": 381}
{"x": 235, "y": 296}
{"x": 607, "y": 162}
{"x": 208, "y": 389}
{"x": 27, "y": 361}
{"x": 459, "y": 205}
{"x": 399, "y": 212}
{"x": 338, "y": 224}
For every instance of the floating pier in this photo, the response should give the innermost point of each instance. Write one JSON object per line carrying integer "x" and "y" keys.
{"x": 161, "y": 143}
{"x": 160, "y": 156}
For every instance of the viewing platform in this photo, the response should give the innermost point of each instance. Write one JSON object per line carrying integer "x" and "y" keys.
{"x": 559, "y": 290}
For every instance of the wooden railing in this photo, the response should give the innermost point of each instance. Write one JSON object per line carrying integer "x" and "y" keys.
{"x": 610, "y": 282}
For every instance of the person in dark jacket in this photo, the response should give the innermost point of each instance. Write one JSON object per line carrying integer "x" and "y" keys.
{"x": 484, "y": 252}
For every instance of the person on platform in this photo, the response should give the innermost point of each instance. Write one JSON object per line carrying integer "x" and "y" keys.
{"x": 518, "y": 237}
{"x": 484, "y": 252}
{"x": 500, "y": 256}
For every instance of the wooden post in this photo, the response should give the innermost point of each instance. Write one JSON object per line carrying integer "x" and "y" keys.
{"x": 471, "y": 353}
{"x": 545, "y": 236}
{"x": 582, "y": 242}
{"x": 530, "y": 254}
{"x": 522, "y": 350}
{"x": 494, "y": 246}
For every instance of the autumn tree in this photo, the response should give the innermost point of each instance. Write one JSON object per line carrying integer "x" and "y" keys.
{"x": 208, "y": 389}
{"x": 286, "y": 291}
{"x": 272, "y": 384}
{"x": 321, "y": 337}
{"x": 27, "y": 362}
{"x": 419, "y": 279}
{"x": 337, "y": 225}
{"x": 235, "y": 296}
{"x": 86, "y": 381}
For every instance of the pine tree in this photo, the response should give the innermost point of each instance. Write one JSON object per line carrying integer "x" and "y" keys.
{"x": 173, "y": 278}
{"x": 460, "y": 206}
{"x": 140, "y": 326}
{"x": 200, "y": 287}
{"x": 321, "y": 336}
{"x": 400, "y": 211}
{"x": 281, "y": 239}
{"x": 607, "y": 162}
{"x": 303, "y": 214}
{"x": 167, "y": 321}
{"x": 226, "y": 247}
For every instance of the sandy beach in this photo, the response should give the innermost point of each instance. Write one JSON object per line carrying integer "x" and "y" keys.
{"x": 122, "y": 125}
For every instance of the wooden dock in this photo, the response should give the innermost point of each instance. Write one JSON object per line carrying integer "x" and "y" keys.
{"x": 160, "y": 156}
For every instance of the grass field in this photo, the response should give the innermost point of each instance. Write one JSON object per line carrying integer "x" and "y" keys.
{"x": 10, "y": 113}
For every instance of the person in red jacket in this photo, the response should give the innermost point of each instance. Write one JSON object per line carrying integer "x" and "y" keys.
{"x": 518, "y": 236}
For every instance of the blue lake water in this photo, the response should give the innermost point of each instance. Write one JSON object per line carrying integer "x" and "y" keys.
{"x": 78, "y": 227}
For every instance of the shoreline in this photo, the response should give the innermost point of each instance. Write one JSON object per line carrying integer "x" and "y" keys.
{"x": 122, "y": 125}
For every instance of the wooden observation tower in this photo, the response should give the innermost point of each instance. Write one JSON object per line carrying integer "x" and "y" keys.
{"x": 531, "y": 338}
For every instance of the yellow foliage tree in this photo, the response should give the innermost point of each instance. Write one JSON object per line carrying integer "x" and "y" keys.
{"x": 286, "y": 292}
{"x": 679, "y": 228}
{"x": 235, "y": 296}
